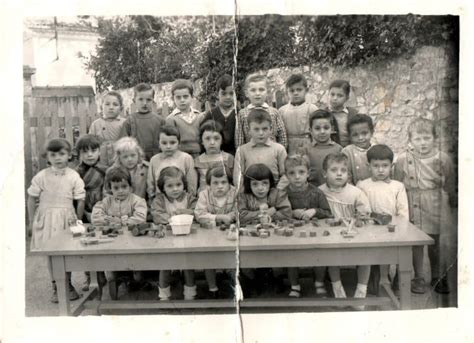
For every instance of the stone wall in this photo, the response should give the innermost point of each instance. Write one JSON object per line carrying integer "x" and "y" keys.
{"x": 392, "y": 93}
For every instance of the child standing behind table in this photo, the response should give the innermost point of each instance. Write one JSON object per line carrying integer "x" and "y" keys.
{"x": 261, "y": 148}
{"x": 345, "y": 201}
{"x": 216, "y": 203}
{"x": 56, "y": 187}
{"x": 256, "y": 89}
{"x": 211, "y": 134}
{"x": 108, "y": 127}
{"x": 123, "y": 208}
{"x": 171, "y": 156}
{"x": 385, "y": 195}
{"x": 307, "y": 202}
{"x": 339, "y": 91}
{"x": 129, "y": 156}
{"x": 321, "y": 145}
{"x": 144, "y": 125}
{"x": 361, "y": 130}
{"x": 224, "y": 113}
{"x": 172, "y": 200}
{"x": 185, "y": 118}
{"x": 429, "y": 178}
{"x": 296, "y": 113}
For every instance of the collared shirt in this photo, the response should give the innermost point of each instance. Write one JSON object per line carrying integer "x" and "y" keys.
{"x": 270, "y": 153}
{"x": 188, "y": 117}
{"x": 347, "y": 201}
{"x": 387, "y": 196}
{"x": 242, "y": 129}
{"x": 188, "y": 128}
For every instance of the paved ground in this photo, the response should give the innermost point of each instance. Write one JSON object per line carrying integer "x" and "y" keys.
{"x": 38, "y": 291}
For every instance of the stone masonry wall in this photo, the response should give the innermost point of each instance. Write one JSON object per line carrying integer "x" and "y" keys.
{"x": 392, "y": 93}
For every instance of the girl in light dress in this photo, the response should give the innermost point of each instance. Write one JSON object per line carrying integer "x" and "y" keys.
{"x": 56, "y": 187}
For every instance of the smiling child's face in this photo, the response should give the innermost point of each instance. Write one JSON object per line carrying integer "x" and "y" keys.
{"x": 226, "y": 97}
{"x": 423, "y": 142}
{"x": 173, "y": 187}
{"x": 260, "y": 188}
{"x": 89, "y": 156}
{"x": 360, "y": 135}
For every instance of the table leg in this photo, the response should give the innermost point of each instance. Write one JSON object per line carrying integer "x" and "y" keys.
{"x": 405, "y": 270}
{"x": 62, "y": 284}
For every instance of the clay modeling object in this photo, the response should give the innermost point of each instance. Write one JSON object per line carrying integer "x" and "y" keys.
{"x": 288, "y": 232}
{"x": 381, "y": 218}
{"x": 391, "y": 227}
{"x": 253, "y": 233}
{"x": 348, "y": 233}
{"x": 112, "y": 235}
{"x": 326, "y": 233}
{"x": 264, "y": 234}
{"x": 306, "y": 221}
{"x": 312, "y": 234}
{"x": 77, "y": 228}
{"x": 95, "y": 241}
{"x": 315, "y": 223}
{"x": 232, "y": 235}
{"x": 131, "y": 226}
{"x": 299, "y": 223}
{"x": 279, "y": 231}
{"x": 359, "y": 223}
{"x": 244, "y": 231}
{"x": 334, "y": 222}
{"x": 303, "y": 233}
{"x": 223, "y": 227}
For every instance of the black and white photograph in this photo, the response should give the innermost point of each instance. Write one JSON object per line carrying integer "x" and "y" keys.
{"x": 241, "y": 167}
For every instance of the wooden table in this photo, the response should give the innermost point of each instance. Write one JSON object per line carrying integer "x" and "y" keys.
{"x": 208, "y": 249}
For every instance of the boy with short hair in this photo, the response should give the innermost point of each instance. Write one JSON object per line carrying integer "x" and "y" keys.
{"x": 256, "y": 90}
{"x": 144, "y": 125}
{"x": 385, "y": 195}
{"x": 321, "y": 124}
{"x": 339, "y": 91}
{"x": 296, "y": 113}
{"x": 261, "y": 148}
{"x": 307, "y": 201}
{"x": 224, "y": 112}
{"x": 185, "y": 118}
{"x": 361, "y": 130}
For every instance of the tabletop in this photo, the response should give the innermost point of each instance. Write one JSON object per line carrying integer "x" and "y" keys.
{"x": 406, "y": 234}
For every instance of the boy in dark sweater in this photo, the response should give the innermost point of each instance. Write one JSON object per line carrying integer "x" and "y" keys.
{"x": 144, "y": 125}
{"x": 224, "y": 112}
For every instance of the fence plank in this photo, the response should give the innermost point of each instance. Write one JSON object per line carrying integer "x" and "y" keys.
{"x": 54, "y": 116}
{"x": 40, "y": 110}
{"x": 27, "y": 106}
{"x": 82, "y": 113}
{"x": 68, "y": 112}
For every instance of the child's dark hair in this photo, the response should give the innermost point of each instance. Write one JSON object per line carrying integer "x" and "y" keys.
{"x": 118, "y": 96}
{"x": 422, "y": 125}
{"x": 170, "y": 172}
{"x": 170, "y": 130}
{"x": 117, "y": 174}
{"x": 88, "y": 142}
{"x": 334, "y": 158}
{"x": 182, "y": 84}
{"x": 259, "y": 115}
{"x": 218, "y": 172}
{"x": 211, "y": 125}
{"x": 223, "y": 82}
{"x": 360, "y": 119}
{"x": 296, "y": 160}
{"x": 320, "y": 114}
{"x": 346, "y": 87}
{"x": 56, "y": 145}
{"x": 258, "y": 172}
{"x": 296, "y": 78}
{"x": 380, "y": 152}
{"x": 143, "y": 87}
{"x": 323, "y": 114}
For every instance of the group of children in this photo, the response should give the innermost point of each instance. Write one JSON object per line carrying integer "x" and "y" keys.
{"x": 296, "y": 162}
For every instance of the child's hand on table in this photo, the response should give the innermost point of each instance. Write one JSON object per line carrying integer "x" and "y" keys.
{"x": 224, "y": 219}
{"x": 308, "y": 214}
{"x": 271, "y": 211}
{"x": 113, "y": 220}
{"x": 124, "y": 220}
